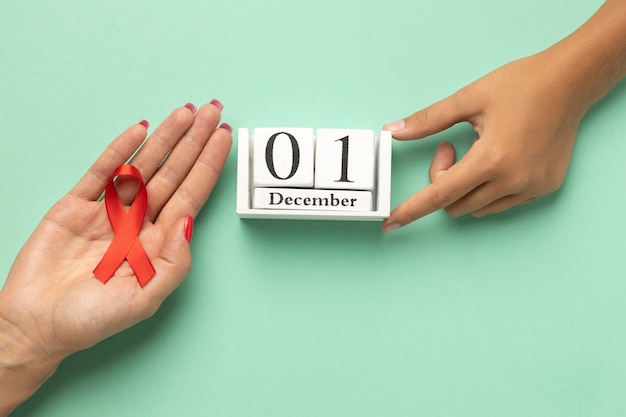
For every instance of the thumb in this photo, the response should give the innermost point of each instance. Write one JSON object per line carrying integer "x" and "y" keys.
{"x": 433, "y": 119}
{"x": 174, "y": 259}
{"x": 444, "y": 158}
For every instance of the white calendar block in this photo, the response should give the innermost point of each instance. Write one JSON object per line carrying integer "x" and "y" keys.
{"x": 345, "y": 159}
{"x": 305, "y": 202}
{"x": 311, "y": 199}
{"x": 283, "y": 157}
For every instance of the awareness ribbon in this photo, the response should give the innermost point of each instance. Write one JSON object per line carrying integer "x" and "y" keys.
{"x": 126, "y": 226}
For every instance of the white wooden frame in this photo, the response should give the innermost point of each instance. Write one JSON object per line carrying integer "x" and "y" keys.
{"x": 382, "y": 193}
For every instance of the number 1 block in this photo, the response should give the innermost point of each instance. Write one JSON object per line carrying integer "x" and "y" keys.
{"x": 345, "y": 159}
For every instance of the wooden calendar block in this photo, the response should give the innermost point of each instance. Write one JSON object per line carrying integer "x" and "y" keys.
{"x": 345, "y": 159}
{"x": 311, "y": 199}
{"x": 278, "y": 201}
{"x": 283, "y": 157}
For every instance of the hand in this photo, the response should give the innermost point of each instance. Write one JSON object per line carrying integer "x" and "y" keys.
{"x": 526, "y": 115}
{"x": 51, "y": 301}
{"x": 526, "y": 118}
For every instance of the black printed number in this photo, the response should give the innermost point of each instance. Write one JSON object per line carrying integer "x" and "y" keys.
{"x": 295, "y": 155}
{"x": 344, "y": 159}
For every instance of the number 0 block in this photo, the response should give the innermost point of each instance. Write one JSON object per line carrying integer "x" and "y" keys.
{"x": 290, "y": 173}
{"x": 283, "y": 157}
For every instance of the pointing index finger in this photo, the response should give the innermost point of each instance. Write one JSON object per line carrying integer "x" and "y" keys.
{"x": 448, "y": 188}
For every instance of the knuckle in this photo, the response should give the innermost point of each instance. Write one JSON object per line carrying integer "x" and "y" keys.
{"x": 441, "y": 198}
{"x": 181, "y": 116}
{"x": 453, "y": 212}
{"x": 170, "y": 175}
{"x": 190, "y": 199}
{"x": 419, "y": 120}
{"x": 407, "y": 213}
{"x": 520, "y": 181}
{"x": 498, "y": 160}
{"x": 545, "y": 184}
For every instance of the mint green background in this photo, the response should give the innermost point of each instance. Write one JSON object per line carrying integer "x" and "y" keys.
{"x": 519, "y": 314}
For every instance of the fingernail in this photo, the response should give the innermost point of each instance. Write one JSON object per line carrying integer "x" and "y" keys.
{"x": 217, "y": 104}
{"x": 227, "y": 127}
{"x": 144, "y": 123}
{"x": 191, "y": 107}
{"x": 391, "y": 227}
{"x": 395, "y": 126}
{"x": 188, "y": 228}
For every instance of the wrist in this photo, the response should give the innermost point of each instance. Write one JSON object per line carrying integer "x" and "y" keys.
{"x": 593, "y": 58}
{"x": 24, "y": 365}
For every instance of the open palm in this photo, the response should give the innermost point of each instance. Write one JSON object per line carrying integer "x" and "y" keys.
{"x": 51, "y": 293}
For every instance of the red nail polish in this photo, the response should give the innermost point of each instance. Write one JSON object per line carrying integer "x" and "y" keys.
{"x": 217, "y": 104}
{"x": 188, "y": 228}
{"x": 227, "y": 127}
{"x": 144, "y": 123}
{"x": 191, "y": 107}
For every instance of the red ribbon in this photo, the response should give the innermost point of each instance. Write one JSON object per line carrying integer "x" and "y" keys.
{"x": 126, "y": 225}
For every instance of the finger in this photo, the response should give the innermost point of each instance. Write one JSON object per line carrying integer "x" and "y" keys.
{"x": 477, "y": 199}
{"x": 172, "y": 264}
{"x": 456, "y": 182}
{"x": 500, "y": 188}
{"x": 433, "y": 119}
{"x": 443, "y": 160}
{"x": 503, "y": 204}
{"x": 173, "y": 171}
{"x": 162, "y": 140}
{"x": 92, "y": 185}
{"x": 197, "y": 186}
